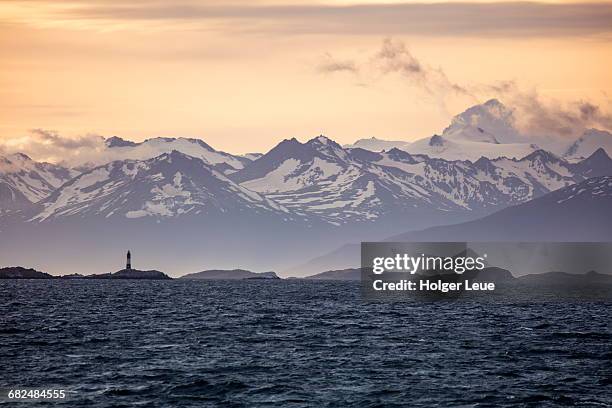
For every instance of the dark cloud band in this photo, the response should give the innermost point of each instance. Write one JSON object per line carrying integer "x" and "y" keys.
{"x": 495, "y": 19}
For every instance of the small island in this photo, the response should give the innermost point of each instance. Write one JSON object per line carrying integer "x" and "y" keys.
{"x": 18, "y": 272}
{"x": 128, "y": 274}
{"x": 231, "y": 274}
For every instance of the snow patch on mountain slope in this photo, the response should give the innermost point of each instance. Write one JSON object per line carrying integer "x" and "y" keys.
{"x": 76, "y": 195}
{"x": 170, "y": 190}
{"x": 450, "y": 149}
{"x": 292, "y": 174}
{"x": 150, "y": 209}
{"x": 275, "y": 180}
{"x": 364, "y": 194}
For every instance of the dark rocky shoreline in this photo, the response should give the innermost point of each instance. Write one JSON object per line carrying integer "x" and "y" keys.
{"x": 18, "y": 272}
{"x": 489, "y": 274}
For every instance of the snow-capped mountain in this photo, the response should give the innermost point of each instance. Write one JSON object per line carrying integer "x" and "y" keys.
{"x": 588, "y": 143}
{"x": 170, "y": 185}
{"x": 490, "y": 122}
{"x": 377, "y": 145}
{"x": 321, "y": 179}
{"x": 296, "y": 173}
{"x": 489, "y": 130}
{"x": 485, "y": 130}
{"x": 116, "y": 148}
{"x": 24, "y": 181}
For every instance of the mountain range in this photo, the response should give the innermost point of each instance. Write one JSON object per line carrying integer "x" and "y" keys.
{"x": 170, "y": 185}
{"x": 274, "y": 210}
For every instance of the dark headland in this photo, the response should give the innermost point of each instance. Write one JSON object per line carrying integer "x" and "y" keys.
{"x": 18, "y": 272}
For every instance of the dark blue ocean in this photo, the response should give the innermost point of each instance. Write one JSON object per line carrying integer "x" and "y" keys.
{"x": 298, "y": 344}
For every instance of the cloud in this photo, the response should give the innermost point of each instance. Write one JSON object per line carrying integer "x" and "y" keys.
{"x": 394, "y": 57}
{"x": 329, "y": 65}
{"x": 550, "y": 118}
{"x": 536, "y": 117}
{"x": 54, "y": 140}
{"x": 500, "y": 19}
{"x": 48, "y": 145}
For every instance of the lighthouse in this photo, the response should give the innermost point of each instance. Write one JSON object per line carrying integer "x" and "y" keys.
{"x": 128, "y": 264}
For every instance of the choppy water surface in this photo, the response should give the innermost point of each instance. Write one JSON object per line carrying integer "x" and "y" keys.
{"x": 294, "y": 343}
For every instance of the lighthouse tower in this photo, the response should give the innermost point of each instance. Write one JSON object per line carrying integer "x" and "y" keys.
{"x": 128, "y": 264}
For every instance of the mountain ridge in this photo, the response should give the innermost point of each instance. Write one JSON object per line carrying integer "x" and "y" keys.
{"x": 578, "y": 213}
{"x": 171, "y": 184}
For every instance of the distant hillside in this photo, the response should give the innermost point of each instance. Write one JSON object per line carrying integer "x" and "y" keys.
{"x": 343, "y": 275}
{"x": 234, "y": 274}
{"x": 567, "y": 279}
{"x": 18, "y": 272}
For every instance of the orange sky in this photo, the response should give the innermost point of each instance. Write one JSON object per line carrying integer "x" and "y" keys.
{"x": 244, "y": 74}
